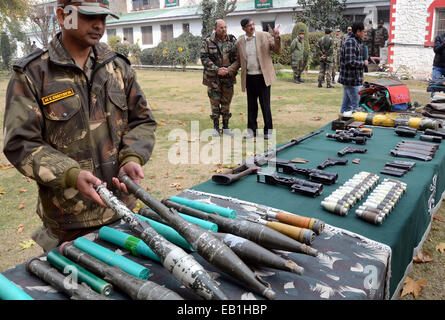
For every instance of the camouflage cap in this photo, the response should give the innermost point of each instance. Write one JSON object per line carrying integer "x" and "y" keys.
{"x": 89, "y": 7}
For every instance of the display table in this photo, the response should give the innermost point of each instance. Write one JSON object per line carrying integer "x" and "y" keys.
{"x": 357, "y": 260}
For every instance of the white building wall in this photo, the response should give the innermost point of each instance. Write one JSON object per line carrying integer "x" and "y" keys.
{"x": 409, "y": 38}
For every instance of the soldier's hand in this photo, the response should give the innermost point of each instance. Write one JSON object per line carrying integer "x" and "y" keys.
{"x": 222, "y": 71}
{"x": 366, "y": 63}
{"x": 85, "y": 182}
{"x": 134, "y": 171}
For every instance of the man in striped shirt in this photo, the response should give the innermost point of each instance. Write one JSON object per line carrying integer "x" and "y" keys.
{"x": 352, "y": 64}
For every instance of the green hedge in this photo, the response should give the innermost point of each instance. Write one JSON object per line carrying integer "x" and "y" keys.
{"x": 182, "y": 50}
{"x": 313, "y": 42}
{"x": 284, "y": 57}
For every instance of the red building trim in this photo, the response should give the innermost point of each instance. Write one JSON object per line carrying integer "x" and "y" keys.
{"x": 429, "y": 41}
{"x": 392, "y": 19}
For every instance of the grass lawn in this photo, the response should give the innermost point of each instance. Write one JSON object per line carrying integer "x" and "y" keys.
{"x": 176, "y": 99}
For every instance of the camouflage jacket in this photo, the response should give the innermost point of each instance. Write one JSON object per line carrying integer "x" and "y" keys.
{"x": 56, "y": 120}
{"x": 381, "y": 35}
{"x": 297, "y": 50}
{"x": 326, "y": 47}
{"x": 215, "y": 54}
{"x": 337, "y": 45}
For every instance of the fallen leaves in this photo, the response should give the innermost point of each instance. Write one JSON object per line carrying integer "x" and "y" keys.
{"x": 26, "y": 244}
{"x": 316, "y": 118}
{"x": 412, "y": 286}
{"x": 423, "y": 257}
{"x": 22, "y": 205}
{"x": 20, "y": 229}
{"x": 438, "y": 218}
{"x": 22, "y": 190}
{"x": 176, "y": 185}
{"x": 440, "y": 247}
{"x": 2, "y": 191}
{"x": 6, "y": 166}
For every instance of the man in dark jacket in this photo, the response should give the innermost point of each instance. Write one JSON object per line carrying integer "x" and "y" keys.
{"x": 439, "y": 58}
{"x": 352, "y": 64}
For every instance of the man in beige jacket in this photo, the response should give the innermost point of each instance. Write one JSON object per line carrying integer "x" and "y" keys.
{"x": 257, "y": 73}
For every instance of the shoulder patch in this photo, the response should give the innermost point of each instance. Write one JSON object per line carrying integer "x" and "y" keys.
{"x": 123, "y": 57}
{"x": 26, "y": 60}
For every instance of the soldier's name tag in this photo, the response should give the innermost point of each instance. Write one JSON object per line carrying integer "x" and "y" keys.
{"x": 58, "y": 96}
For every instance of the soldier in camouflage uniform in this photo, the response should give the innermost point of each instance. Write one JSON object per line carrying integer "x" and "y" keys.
{"x": 336, "y": 57}
{"x": 369, "y": 40}
{"x": 381, "y": 35}
{"x": 76, "y": 117}
{"x": 325, "y": 51}
{"x": 297, "y": 56}
{"x": 218, "y": 52}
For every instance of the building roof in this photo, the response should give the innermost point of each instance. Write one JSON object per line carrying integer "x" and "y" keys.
{"x": 195, "y": 11}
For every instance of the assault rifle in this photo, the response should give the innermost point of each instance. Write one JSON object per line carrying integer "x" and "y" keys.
{"x": 296, "y": 185}
{"x": 251, "y": 166}
{"x": 315, "y": 175}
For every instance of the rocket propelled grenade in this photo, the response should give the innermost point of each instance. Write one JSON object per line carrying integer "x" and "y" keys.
{"x": 136, "y": 288}
{"x": 248, "y": 251}
{"x": 253, "y": 253}
{"x": 57, "y": 280}
{"x": 204, "y": 242}
{"x": 262, "y": 235}
{"x": 181, "y": 264}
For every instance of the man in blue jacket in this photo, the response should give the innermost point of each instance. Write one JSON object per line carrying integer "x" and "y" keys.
{"x": 352, "y": 64}
{"x": 439, "y": 58}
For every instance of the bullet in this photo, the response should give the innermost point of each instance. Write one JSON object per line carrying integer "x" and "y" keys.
{"x": 369, "y": 216}
{"x": 58, "y": 281}
{"x": 179, "y": 263}
{"x": 335, "y": 208}
{"x": 262, "y": 235}
{"x": 136, "y": 288}
{"x": 207, "y": 245}
{"x": 313, "y": 224}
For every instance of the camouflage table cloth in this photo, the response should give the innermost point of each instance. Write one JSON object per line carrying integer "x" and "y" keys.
{"x": 349, "y": 266}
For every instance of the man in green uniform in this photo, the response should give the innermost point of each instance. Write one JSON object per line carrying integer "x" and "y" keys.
{"x": 381, "y": 35}
{"x": 297, "y": 56}
{"x": 326, "y": 52}
{"x": 218, "y": 52}
{"x": 336, "y": 57}
{"x": 75, "y": 118}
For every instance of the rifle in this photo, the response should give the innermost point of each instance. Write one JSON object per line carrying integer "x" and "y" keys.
{"x": 296, "y": 185}
{"x": 315, "y": 175}
{"x": 252, "y": 166}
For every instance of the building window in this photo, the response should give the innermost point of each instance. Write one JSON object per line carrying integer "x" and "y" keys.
{"x": 185, "y": 27}
{"x": 166, "y": 32}
{"x": 440, "y": 22}
{"x": 267, "y": 24}
{"x": 111, "y": 32}
{"x": 383, "y": 15}
{"x": 139, "y": 5}
{"x": 128, "y": 35}
{"x": 147, "y": 35}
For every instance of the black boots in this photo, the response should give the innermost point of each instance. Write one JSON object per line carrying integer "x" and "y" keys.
{"x": 329, "y": 86}
{"x": 319, "y": 84}
{"x": 299, "y": 79}
{"x": 226, "y": 129}
{"x": 215, "y": 128}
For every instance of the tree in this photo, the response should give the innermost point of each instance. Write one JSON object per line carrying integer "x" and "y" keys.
{"x": 320, "y": 14}
{"x": 44, "y": 24}
{"x": 13, "y": 9}
{"x": 6, "y": 49}
{"x": 213, "y": 10}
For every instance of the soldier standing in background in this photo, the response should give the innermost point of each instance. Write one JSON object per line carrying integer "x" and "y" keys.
{"x": 381, "y": 35}
{"x": 297, "y": 56}
{"x": 336, "y": 57}
{"x": 369, "y": 40}
{"x": 218, "y": 52}
{"x": 326, "y": 51}
{"x": 76, "y": 117}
